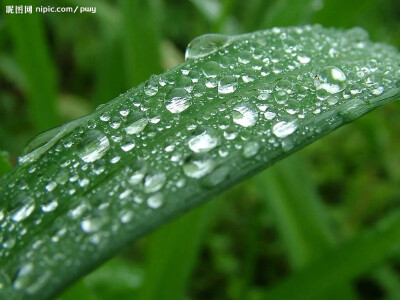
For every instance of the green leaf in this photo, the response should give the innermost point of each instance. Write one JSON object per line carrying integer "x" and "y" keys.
{"x": 5, "y": 164}
{"x": 237, "y": 105}
{"x": 341, "y": 264}
{"x": 172, "y": 254}
{"x": 32, "y": 54}
{"x": 300, "y": 216}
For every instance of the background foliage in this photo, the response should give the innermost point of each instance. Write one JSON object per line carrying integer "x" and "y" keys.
{"x": 321, "y": 204}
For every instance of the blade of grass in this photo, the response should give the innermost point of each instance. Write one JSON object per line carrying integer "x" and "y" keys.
{"x": 341, "y": 264}
{"x": 301, "y": 218}
{"x": 33, "y": 56}
{"x": 288, "y": 13}
{"x": 141, "y": 39}
{"x": 132, "y": 165}
{"x": 172, "y": 254}
{"x": 5, "y": 164}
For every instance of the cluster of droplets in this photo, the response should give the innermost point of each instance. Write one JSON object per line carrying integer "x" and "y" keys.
{"x": 235, "y": 105}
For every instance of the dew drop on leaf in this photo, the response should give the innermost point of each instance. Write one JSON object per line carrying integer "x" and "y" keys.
{"x": 284, "y": 129}
{"x": 205, "y": 45}
{"x": 177, "y": 100}
{"x": 93, "y": 146}
{"x": 204, "y": 139}
{"x": 155, "y": 201}
{"x": 136, "y": 122}
{"x": 227, "y": 85}
{"x": 24, "y": 208}
{"x": 197, "y": 167}
{"x": 245, "y": 115}
{"x": 331, "y": 79}
{"x": 154, "y": 182}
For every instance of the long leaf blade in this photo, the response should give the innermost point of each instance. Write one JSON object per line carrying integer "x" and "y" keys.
{"x": 237, "y": 105}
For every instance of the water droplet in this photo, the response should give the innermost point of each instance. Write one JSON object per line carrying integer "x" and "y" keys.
{"x": 126, "y": 216}
{"x": 204, "y": 139}
{"x": 93, "y": 146}
{"x": 205, "y": 45}
{"x": 281, "y": 97}
{"x": 94, "y": 223}
{"x": 331, "y": 79}
{"x": 227, "y": 85}
{"x": 128, "y": 146}
{"x": 151, "y": 88}
{"x": 154, "y": 182}
{"x": 24, "y": 208}
{"x": 250, "y": 149}
{"x": 216, "y": 177}
{"x": 245, "y": 115}
{"x": 38, "y": 145}
{"x": 211, "y": 69}
{"x": 269, "y": 115}
{"x": 303, "y": 59}
{"x": 177, "y": 100}
{"x": 197, "y": 167}
{"x": 50, "y": 206}
{"x": 284, "y": 129}
{"x": 136, "y": 123}
{"x": 155, "y": 201}
{"x": 30, "y": 280}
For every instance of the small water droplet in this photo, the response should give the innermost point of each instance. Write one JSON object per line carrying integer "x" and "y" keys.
{"x": 128, "y": 146}
{"x": 93, "y": 223}
{"x": 303, "y": 59}
{"x": 284, "y": 129}
{"x": 51, "y": 186}
{"x": 245, "y": 115}
{"x": 151, "y": 88}
{"x": 93, "y": 146}
{"x": 177, "y": 100}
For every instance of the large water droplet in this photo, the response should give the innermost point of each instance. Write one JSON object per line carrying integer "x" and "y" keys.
{"x": 211, "y": 69}
{"x": 151, "y": 88}
{"x": 250, "y": 149}
{"x": 93, "y": 146}
{"x": 227, "y": 85}
{"x": 245, "y": 115}
{"x": 155, "y": 201}
{"x": 177, "y": 100}
{"x": 136, "y": 123}
{"x": 154, "y": 182}
{"x": 30, "y": 281}
{"x": 331, "y": 79}
{"x": 24, "y": 208}
{"x": 205, "y": 45}
{"x": 284, "y": 129}
{"x": 197, "y": 167}
{"x": 204, "y": 139}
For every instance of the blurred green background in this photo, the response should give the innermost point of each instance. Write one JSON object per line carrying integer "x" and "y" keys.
{"x": 308, "y": 226}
